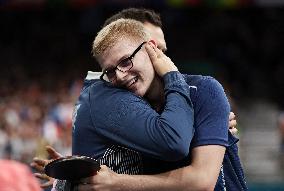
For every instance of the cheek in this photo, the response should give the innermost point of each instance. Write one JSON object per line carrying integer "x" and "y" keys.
{"x": 148, "y": 67}
{"x": 143, "y": 65}
{"x": 150, "y": 72}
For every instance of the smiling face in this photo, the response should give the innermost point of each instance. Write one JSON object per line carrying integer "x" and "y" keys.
{"x": 119, "y": 40}
{"x": 140, "y": 77}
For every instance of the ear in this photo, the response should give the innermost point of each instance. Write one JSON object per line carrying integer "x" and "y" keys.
{"x": 153, "y": 43}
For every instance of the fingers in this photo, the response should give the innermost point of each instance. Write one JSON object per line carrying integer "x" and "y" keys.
{"x": 232, "y": 120}
{"x": 151, "y": 52}
{"x": 48, "y": 180}
{"x": 154, "y": 52}
{"x": 42, "y": 176}
{"x": 53, "y": 153}
{"x": 234, "y": 131}
{"x": 161, "y": 63}
{"x": 158, "y": 52}
{"x": 38, "y": 168}
{"x": 232, "y": 123}
{"x": 38, "y": 164}
{"x": 46, "y": 184}
{"x": 232, "y": 116}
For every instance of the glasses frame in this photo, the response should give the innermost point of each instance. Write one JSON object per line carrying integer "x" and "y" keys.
{"x": 117, "y": 66}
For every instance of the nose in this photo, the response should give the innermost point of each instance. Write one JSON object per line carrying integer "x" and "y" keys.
{"x": 120, "y": 76}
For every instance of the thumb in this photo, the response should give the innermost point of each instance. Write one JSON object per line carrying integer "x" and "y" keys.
{"x": 104, "y": 167}
{"x": 53, "y": 153}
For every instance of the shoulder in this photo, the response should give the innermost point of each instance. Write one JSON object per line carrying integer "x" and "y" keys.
{"x": 205, "y": 88}
{"x": 103, "y": 95}
{"x": 211, "y": 111}
{"x": 200, "y": 81}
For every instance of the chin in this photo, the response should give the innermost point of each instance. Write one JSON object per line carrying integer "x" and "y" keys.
{"x": 138, "y": 93}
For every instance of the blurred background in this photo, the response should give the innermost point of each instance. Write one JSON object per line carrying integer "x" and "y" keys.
{"x": 45, "y": 54}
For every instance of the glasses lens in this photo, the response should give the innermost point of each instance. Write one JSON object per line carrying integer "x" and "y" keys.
{"x": 105, "y": 78}
{"x": 110, "y": 76}
{"x": 125, "y": 65}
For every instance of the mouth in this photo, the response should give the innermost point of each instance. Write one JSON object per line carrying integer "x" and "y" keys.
{"x": 131, "y": 82}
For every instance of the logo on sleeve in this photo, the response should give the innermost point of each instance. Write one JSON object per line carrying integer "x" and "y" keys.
{"x": 74, "y": 116}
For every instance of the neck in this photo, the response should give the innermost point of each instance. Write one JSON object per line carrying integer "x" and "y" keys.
{"x": 155, "y": 94}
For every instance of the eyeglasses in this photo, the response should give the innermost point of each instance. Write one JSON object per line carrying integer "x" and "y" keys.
{"x": 124, "y": 65}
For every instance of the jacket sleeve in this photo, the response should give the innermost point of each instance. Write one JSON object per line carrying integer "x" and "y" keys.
{"x": 128, "y": 120}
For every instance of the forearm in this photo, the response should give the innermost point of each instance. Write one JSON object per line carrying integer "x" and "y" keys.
{"x": 202, "y": 174}
{"x": 143, "y": 182}
{"x": 183, "y": 179}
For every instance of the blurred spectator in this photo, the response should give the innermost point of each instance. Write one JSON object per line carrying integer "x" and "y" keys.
{"x": 15, "y": 176}
{"x": 281, "y": 129}
{"x": 32, "y": 117}
{"x": 281, "y": 132}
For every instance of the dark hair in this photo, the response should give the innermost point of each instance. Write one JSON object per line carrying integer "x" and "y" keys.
{"x": 138, "y": 14}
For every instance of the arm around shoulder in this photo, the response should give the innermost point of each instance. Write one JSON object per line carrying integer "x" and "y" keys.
{"x": 165, "y": 136}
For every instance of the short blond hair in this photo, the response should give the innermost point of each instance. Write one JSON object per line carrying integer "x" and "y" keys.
{"x": 117, "y": 30}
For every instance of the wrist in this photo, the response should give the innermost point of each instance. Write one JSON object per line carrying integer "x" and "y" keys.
{"x": 171, "y": 77}
{"x": 117, "y": 183}
{"x": 168, "y": 70}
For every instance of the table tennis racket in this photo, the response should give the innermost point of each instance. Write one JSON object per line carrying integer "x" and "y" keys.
{"x": 72, "y": 168}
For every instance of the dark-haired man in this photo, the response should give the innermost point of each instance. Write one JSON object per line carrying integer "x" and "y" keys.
{"x": 150, "y": 19}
